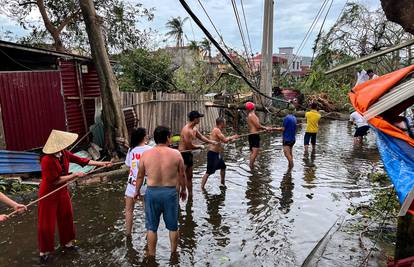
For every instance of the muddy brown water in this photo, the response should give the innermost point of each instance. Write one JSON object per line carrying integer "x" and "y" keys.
{"x": 270, "y": 217}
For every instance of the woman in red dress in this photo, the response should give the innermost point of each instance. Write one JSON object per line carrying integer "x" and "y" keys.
{"x": 58, "y": 206}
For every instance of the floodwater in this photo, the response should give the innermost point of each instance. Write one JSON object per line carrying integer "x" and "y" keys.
{"x": 270, "y": 217}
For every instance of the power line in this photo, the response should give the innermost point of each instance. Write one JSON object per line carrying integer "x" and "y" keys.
{"x": 214, "y": 26}
{"x": 221, "y": 50}
{"x": 239, "y": 25}
{"x": 320, "y": 32}
{"x": 307, "y": 35}
{"x": 155, "y": 76}
{"x": 247, "y": 28}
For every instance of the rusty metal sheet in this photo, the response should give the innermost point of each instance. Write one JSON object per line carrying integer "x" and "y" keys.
{"x": 32, "y": 105}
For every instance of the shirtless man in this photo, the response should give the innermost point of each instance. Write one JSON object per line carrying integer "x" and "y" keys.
{"x": 214, "y": 156}
{"x": 164, "y": 168}
{"x": 254, "y": 138}
{"x": 188, "y": 133}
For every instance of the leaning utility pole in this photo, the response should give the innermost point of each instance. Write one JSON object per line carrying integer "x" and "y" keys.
{"x": 116, "y": 132}
{"x": 267, "y": 51}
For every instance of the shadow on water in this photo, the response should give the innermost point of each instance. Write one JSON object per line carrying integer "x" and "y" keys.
{"x": 268, "y": 217}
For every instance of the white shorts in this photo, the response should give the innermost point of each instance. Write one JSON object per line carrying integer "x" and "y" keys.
{"x": 130, "y": 190}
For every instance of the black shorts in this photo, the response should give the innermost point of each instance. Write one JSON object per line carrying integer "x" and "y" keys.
{"x": 254, "y": 141}
{"x": 289, "y": 143}
{"x": 214, "y": 162}
{"x": 361, "y": 131}
{"x": 310, "y": 137}
{"x": 188, "y": 158}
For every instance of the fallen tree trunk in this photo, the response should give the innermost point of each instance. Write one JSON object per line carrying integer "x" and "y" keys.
{"x": 116, "y": 133}
{"x": 241, "y": 107}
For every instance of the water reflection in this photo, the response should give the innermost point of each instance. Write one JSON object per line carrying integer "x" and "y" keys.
{"x": 309, "y": 168}
{"x": 215, "y": 203}
{"x": 286, "y": 187}
{"x": 188, "y": 241}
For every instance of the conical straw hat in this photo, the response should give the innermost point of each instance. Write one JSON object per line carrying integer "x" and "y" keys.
{"x": 59, "y": 140}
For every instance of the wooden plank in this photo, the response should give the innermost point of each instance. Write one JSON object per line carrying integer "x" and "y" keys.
{"x": 2, "y": 136}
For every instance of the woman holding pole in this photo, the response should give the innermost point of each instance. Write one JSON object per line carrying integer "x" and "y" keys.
{"x": 58, "y": 206}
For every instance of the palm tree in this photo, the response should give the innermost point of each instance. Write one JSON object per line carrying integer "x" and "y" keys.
{"x": 176, "y": 27}
{"x": 205, "y": 45}
{"x": 193, "y": 45}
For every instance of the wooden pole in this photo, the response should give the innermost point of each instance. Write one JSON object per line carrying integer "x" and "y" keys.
{"x": 372, "y": 56}
{"x": 63, "y": 186}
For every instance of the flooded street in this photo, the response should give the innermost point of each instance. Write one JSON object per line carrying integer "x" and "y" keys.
{"x": 271, "y": 217}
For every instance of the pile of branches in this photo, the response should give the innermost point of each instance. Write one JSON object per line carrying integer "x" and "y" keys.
{"x": 322, "y": 101}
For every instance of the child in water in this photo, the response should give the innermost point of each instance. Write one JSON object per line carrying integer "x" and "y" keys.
{"x": 138, "y": 147}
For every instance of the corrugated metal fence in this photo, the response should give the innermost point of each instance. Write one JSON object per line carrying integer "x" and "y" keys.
{"x": 169, "y": 110}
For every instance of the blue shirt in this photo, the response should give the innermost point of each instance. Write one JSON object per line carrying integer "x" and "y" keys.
{"x": 289, "y": 125}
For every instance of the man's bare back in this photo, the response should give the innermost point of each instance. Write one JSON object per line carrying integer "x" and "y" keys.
{"x": 163, "y": 166}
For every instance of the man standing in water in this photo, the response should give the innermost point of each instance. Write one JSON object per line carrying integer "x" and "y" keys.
{"x": 164, "y": 168}
{"x": 188, "y": 133}
{"x": 312, "y": 126}
{"x": 362, "y": 126}
{"x": 254, "y": 137}
{"x": 289, "y": 137}
{"x": 214, "y": 156}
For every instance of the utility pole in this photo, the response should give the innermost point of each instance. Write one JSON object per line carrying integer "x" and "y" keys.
{"x": 267, "y": 51}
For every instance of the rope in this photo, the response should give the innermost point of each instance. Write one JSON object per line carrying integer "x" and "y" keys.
{"x": 220, "y": 49}
{"x": 63, "y": 186}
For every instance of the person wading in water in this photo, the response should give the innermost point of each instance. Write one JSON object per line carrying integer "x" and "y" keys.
{"x": 215, "y": 159}
{"x": 188, "y": 133}
{"x": 58, "y": 207}
{"x": 254, "y": 137}
{"x": 138, "y": 147}
{"x": 164, "y": 168}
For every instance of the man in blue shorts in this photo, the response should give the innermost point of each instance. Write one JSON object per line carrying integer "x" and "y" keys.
{"x": 289, "y": 137}
{"x": 164, "y": 168}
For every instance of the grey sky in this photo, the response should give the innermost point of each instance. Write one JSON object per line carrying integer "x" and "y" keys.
{"x": 292, "y": 19}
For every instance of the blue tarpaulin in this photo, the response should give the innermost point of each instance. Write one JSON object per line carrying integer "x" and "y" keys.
{"x": 18, "y": 162}
{"x": 398, "y": 158}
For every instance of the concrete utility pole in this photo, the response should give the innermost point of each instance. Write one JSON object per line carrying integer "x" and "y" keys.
{"x": 267, "y": 51}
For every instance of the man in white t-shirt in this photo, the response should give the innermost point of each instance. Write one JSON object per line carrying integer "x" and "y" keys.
{"x": 138, "y": 147}
{"x": 362, "y": 126}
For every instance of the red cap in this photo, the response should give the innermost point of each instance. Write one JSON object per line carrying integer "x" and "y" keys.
{"x": 249, "y": 105}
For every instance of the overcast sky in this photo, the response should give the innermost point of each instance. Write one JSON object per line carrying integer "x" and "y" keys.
{"x": 292, "y": 19}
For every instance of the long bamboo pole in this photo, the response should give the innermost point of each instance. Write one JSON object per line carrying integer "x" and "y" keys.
{"x": 61, "y": 187}
{"x": 242, "y": 135}
{"x": 372, "y": 56}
